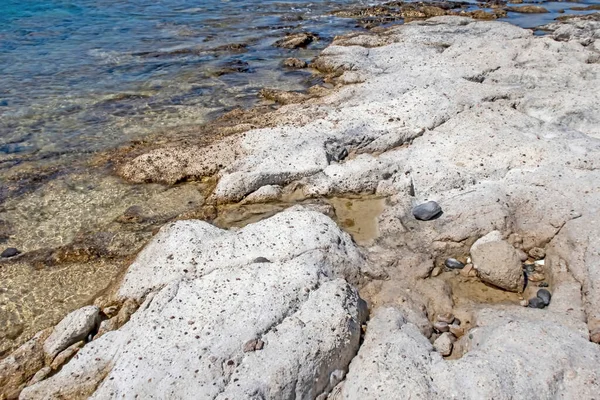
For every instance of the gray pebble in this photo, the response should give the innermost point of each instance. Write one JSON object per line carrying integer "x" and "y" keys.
{"x": 10, "y": 252}
{"x": 543, "y": 284}
{"x": 536, "y": 302}
{"x": 544, "y": 295}
{"x": 453, "y": 263}
{"x": 441, "y": 326}
{"x": 261, "y": 260}
{"x": 427, "y": 211}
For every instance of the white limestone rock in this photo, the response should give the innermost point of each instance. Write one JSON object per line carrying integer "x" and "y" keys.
{"x": 74, "y": 327}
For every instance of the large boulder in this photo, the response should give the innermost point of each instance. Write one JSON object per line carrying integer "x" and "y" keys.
{"x": 197, "y": 333}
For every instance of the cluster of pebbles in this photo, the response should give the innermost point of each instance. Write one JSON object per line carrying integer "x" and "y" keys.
{"x": 531, "y": 265}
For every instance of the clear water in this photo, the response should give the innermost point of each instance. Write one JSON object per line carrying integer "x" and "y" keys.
{"x": 83, "y": 75}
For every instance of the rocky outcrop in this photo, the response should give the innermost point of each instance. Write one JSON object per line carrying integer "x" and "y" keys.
{"x": 483, "y": 117}
{"x": 204, "y": 303}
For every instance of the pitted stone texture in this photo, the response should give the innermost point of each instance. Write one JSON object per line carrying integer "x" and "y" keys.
{"x": 195, "y": 248}
{"x": 187, "y": 339}
{"x": 396, "y": 361}
{"x": 73, "y": 328}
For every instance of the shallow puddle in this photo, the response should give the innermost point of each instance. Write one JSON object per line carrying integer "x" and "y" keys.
{"x": 358, "y": 216}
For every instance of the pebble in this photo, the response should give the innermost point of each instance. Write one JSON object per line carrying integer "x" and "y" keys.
{"x": 427, "y": 211}
{"x": 261, "y": 260}
{"x": 465, "y": 271}
{"x": 436, "y": 271}
{"x": 536, "y": 277}
{"x": 10, "y": 252}
{"x": 536, "y": 302}
{"x": 453, "y": 263}
{"x": 543, "y": 284}
{"x": 253, "y": 345}
{"x": 456, "y": 330}
{"x": 446, "y": 317}
{"x": 444, "y": 344}
{"x": 537, "y": 253}
{"x": 441, "y": 326}
{"x": 544, "y": 295}
{"x": 524, "y": 303}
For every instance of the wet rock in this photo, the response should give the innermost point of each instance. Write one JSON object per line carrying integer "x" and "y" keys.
{"x": 453, "y": 263}
{"x": 543, "y": 284}
{"x": 536, "y": 277}
{"x": 536, "y": 302}
{"x": 10, "y": 252}
{"x": 444, "y": 343}
{"x": 498, "y": 263}
{"x": 295, "y": 40}
{"x": 74, "y": 327}
{"x": 545, "y": 296}
{"x": 294, "y": 63}
{"x": 283, "y": 96}
{"x": 427, "y": 211}
{"x": 528, "y": 9}
{"x": 537, "y": 253}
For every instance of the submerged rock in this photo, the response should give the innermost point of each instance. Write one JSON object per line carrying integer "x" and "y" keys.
{"x": 427, "y": 211}
{"x": 10, "y": 252}
{"x": 295, "y": 40}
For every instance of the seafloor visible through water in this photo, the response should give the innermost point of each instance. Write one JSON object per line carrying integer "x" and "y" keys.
{"x": 82, "y": 76}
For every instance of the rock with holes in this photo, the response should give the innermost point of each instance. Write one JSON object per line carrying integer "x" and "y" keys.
{"x": 397, "y": 361}
{"x": 193, "y": 336}
{"x": 74, "y": 327}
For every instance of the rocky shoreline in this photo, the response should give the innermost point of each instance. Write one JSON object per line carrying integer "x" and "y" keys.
{"x": 498, "y": 127}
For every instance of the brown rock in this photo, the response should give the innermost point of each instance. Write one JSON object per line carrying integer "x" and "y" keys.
{"x": 537, "y": 253}
{"x": 40, "y": 376}
{"x": 253, "y": 345}
{"x": 528, "y": 9}
{"x": 294, "y": 63}
{"x": 22, "y": 364}
{"x": 66, "y": 355}
{"x": 295, "y": 40}
{"x": 282, "y": 96}
{"x": 498, "y": 263}
{"x": 446, "y": 317}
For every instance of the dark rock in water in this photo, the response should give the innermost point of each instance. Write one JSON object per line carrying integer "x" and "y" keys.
{"x": 544, "y": 295}
{"x": 543, "y": 284}
{"x": 453, "y": 263}
{"x": 536, "y": 302}
{"x": 529, "y": 268}
{"x": 10, "y": 252}
{"x": 261, "y": 260}
{"x": 427, "y": 211}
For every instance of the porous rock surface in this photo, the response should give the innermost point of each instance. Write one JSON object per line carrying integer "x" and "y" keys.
{"x": 187, "y": 339}
{"x": 501, "y": 127}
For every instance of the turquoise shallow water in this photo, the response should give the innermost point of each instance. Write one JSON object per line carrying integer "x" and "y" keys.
{"x": 83, "y": 75}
